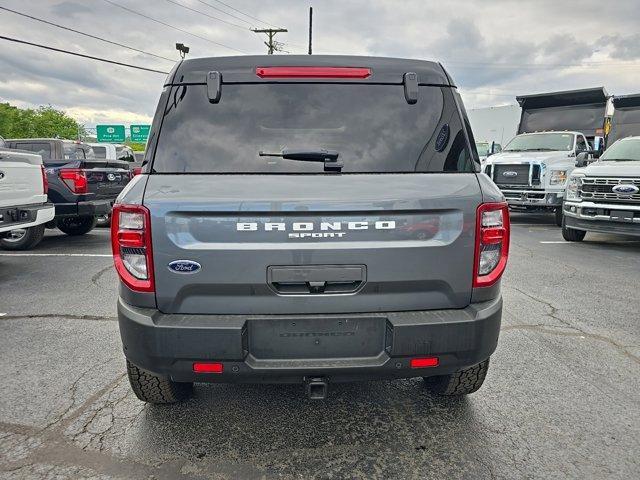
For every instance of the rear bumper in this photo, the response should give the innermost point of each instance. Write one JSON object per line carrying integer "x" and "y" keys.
{"x": 596, "y": 217}
{"x": 25, "y": 216}
{"x": 167, "y": 345}
{"x": 90, "y": 208}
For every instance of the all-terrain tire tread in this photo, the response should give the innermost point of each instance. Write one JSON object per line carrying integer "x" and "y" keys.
{"x": 154, "y": 389}
{"x": 463, "y": 382}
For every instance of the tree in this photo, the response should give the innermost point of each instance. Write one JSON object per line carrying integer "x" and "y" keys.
{"x": 45, "y": 122}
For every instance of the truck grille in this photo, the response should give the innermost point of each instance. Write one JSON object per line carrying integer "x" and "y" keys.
{"x": 602, "y": 189}
{"x": 515, "y": 174}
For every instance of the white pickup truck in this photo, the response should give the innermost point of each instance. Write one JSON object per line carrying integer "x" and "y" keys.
{"x": 555, "y": 128}
{"x": 24, "y": 209}
{"x": 604, "y": 196}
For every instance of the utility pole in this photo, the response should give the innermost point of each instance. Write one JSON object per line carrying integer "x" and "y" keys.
{"x": 272, "y": 45}
{"x": 310, "y": 27}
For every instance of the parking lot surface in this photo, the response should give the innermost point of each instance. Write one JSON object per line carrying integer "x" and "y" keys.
{"x": 560, "y": 400}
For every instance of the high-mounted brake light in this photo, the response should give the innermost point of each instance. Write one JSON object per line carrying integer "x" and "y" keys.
{"x": 492, "y": 243}
{"x": 45, "y": 181}
{"x": 313, "y": 72}
{"x": 131, "y": 245}
{"x": 75, "y": 179}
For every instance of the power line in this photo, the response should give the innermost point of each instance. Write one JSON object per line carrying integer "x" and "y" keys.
{"x": 171, "y": 26}
{"x": 539, "y": 65}
{"x": 87, "y": 34}
{"x": 199, "y": 12}
{"x": 81, "y": 55}
{"x": 240, "y": 12}
{"x": 226, "y": 13}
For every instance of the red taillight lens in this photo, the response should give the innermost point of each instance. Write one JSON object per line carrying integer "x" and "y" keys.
{"x": 208, "y": 367}
{"x": 424, "y": 362}
{"x": 137, "y": 171}
{"x": 131, "y": 245}
{"x": 45, "y": 181}
{"x": 492, "y": 243}
{"x": 75, "y": 179}
{"x": 313, "y": 72}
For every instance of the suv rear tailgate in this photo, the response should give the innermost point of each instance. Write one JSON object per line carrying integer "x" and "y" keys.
{"x": 378, "y": 242}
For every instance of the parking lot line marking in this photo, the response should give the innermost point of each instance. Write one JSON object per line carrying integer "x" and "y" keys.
{"x": 571, "y": 243}
{"x": 56, "y": 255}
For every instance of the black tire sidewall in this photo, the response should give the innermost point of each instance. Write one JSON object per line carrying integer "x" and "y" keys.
{"x": 32, "y": 237}
{"x": 78, "y": 225}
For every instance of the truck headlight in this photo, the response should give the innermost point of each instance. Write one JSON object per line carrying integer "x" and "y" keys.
{"x": 558, "y": 177}
{"x": 573, "y": 188}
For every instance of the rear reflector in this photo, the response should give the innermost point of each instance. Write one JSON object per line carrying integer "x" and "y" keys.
{"x": 313, "y": 72}
{"x": 208, "y": 367}
{"x": 424, "y": 362}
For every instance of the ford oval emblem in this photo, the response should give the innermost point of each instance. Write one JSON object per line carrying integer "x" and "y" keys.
{"x": 625, "y": 189}
{"x": 184, "y": 266}
{"x": 111, "y": 177}
{"x": 443, "y": 138}
{"x": 510, "y": 173}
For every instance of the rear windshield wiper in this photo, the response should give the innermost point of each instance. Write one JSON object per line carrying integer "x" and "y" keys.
{"x": 328, "y": 157}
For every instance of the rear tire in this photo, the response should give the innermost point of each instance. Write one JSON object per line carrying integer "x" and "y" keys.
{"x": 23, "y": 238}
{"x": 459, "y": 383}
{"x": 571, "y": 234}
{"x": 77, "y": 225}
{"x": 559, "y": 216}
{"x": 151, "y": 388}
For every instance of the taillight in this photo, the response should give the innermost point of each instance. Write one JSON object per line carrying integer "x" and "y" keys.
{"x": 492, "y": 243}
{"x": 45, "y": 181}
{"x": 131, "y": 244}
{"x": 137, "y": 171}
{"x": 75, "y": 179}
{"x": 313, "y": 72}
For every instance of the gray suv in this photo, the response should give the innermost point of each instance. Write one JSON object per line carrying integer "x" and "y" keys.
{"x": 309, "y": 219}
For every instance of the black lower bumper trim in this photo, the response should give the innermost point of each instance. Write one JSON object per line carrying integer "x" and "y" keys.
{"x": 89, "y": 209}
{"x": 167, "y": 345}
{"x": 603, "y": 226}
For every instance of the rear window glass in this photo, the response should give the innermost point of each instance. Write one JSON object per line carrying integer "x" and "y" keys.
{"x": 100, "y": 152}
{"x": 372, "y": 127}
{"x": 42, "y": 149}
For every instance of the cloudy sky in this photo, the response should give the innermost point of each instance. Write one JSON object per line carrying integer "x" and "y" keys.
{"x": 495, "y": 49}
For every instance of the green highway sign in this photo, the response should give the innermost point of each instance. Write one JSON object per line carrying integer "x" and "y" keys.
{"x": 110, "y": 133}
{"x": 140, "y": 133}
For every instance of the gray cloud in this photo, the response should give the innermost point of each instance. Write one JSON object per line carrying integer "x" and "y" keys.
{"x": 623, "y": 47}
{"x": 493, "y": 48}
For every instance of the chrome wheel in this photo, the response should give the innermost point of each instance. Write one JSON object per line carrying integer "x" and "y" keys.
{"x": 15, "y": 235}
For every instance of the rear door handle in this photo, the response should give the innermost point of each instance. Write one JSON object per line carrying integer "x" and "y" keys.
{"x": 316, "y": 279}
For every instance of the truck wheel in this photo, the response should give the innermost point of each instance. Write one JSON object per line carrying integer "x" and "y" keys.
{"x": 463, "y": 382}
{"x": 153, "y": 389}
{"x": 559, "y": 216}
{"x": 76, "y": 225}
{"x": 572, "y": 235}
{"x": 23, "y": 238}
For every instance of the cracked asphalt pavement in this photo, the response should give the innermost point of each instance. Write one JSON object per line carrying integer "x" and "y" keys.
{"x": 561, "y": 399}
